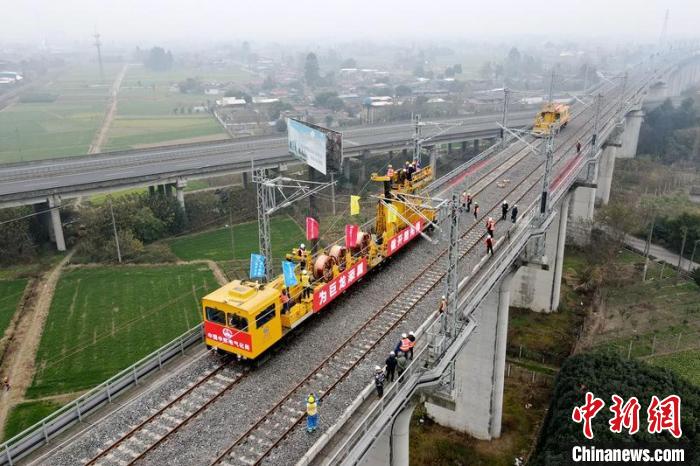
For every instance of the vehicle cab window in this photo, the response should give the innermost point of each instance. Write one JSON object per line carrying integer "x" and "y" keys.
{"x": 265, "y": 316}
{"x": 216, "y": 316}
{"x": 238, "y": 322}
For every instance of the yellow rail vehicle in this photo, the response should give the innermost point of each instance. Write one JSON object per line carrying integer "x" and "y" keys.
{"x": 551, "y": 116}
{"x": 246, "y": 318}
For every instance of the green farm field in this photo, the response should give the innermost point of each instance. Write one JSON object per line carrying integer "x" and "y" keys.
{"x": 103, "y": 319}
{"x": 25, "y": 415}
{"x": 686, "y": 364}
{"x": 147, "y": 102}
{"x": 64, "y": 127}
{"x": 10, "y": 293}
{"x": 216, "y": 244}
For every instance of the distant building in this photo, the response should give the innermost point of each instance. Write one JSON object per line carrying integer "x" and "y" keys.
{"x": 264, "y": 100}
{"x": 230, "y": 102}
{"x": 213, "y": 91}
{"x": 10, "y": 77}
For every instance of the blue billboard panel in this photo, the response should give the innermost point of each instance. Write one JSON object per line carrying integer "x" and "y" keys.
{"x": 307, "y": 144}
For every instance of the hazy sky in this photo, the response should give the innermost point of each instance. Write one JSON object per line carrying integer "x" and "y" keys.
{"x": 177, "y": 20}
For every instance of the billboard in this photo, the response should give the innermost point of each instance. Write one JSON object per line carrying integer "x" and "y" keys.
{"x": 318, "y": 147}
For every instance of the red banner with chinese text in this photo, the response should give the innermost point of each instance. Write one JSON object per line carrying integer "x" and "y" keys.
{"x": 311, "y": 228}
{"x": 334, "y": 288}
{"x": 400, "y": 239}
{"x": 228, "y": 336}
{"x": 351, "y": 235}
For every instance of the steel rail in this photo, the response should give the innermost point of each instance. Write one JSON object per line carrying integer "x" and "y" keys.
{"x": 150, "y": 420}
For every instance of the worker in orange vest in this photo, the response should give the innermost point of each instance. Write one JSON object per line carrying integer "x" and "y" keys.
{"x": 490, "y": 226}
{"x": 412, "y": 341}
{"x": 489, "y": 245}
{"x": 443, "y": 305}
{"x": 404, "y": 344}
{"x": 284, "y": 297}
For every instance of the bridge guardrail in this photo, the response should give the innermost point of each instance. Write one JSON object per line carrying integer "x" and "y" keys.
{"x": 41, "y": 433}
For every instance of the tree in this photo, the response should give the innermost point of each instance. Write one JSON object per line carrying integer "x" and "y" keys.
{"x": 158, "y": 59}
{"x": 402, "y": 90}
{"x": 268, "y": 83}
{"x": 276, "y": 109}
{"x": 349, "y": 63}
{"x": 311, "y": 70}
{"x": 16, "y": 239}
{"x": 190, "y": 86}
{"x": 329, "y": 100}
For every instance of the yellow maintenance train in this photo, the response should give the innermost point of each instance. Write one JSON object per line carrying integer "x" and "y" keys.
{"x": 552, "y": 116}
{"x": 246, "y": 318}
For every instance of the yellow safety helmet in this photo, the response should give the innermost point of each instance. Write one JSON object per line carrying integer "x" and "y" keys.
{"x": 311, "y": 398}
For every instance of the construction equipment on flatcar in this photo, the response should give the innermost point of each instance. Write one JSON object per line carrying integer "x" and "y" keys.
{"x": 246, "y": 318}
{"x": 552, "y": 117}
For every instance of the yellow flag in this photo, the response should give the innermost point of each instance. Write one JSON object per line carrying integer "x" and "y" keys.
{"x": 354, "y": 205}
{"x": 390, "y": 214}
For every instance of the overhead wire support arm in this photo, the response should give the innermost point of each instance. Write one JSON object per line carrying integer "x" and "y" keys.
{"x": 267, "y": 192}
{"x": 404, "y": 219}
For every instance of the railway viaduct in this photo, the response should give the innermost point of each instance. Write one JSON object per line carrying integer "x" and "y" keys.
{"x": 460, "y": 373}
{"x": 459, "y": 362}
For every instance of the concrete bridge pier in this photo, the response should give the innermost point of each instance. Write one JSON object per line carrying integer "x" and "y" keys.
{"x": 432, "y": 150}
{"x": 605, "y": 171}
{"x": 464, "y": 147}
{"x": 56, "y": 228}
{"x": 477, "y": 146}
{"x": 180, "y": 186}
{"x": 475, "y": 405}
{"x": 630, "y": 137}
{"x": 537, "y": 285}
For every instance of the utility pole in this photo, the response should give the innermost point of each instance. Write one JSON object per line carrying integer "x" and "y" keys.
{"x": 551, "y": 87}
{"x": 452, "y": 257}
{"x": 680, "y": 256}
{"x": 417, "y": 139}
{"x": 549, "y": 159}
{"x": 596, "y": 122}
{"x": 504, "y": 119}
{"x": 98, "y": 45}
{"x": 116, "y": 237}
{"x": 265, "y": 202}
{"x": 622, "y": 97}
{"x": 585, "y": 78}
{"x": 333, "y": 191}
{"x": 230, "y": 224}
{"x": 692, "y": 256}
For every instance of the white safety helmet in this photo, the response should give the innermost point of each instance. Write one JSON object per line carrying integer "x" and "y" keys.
{"x": 505, "y": 201}
{"x": 302, "y": 246}
{"x": 490, "y": 219}
{"x": 377, "y": 369}
{"x": 391, "y": 353}
{"x": 444, "y": 297}
{"x": 412, "y": 334}
{"x": 403, "y": 335}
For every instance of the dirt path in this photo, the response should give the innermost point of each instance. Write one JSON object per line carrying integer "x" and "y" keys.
{"x": 216, "y": 270}
{"x": 101, "y": 135}
{"x": 19, "y": 363}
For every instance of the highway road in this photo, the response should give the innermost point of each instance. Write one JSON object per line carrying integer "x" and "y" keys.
{"x": 33, "y": 181}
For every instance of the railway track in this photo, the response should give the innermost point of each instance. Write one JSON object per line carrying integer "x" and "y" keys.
{"x": 254, "y": 445}
{"x": 169, "y": 418}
